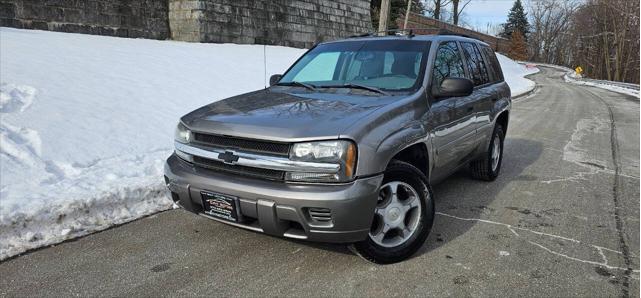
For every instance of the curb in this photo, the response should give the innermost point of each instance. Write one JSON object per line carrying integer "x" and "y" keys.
{"x": 528, "y": 93}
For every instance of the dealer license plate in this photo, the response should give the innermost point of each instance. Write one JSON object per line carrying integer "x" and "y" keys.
{"x": 219, "y": 205}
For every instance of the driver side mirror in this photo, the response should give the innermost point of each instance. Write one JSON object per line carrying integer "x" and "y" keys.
{"x": 454, "y": 87}
{"x": 274, "y": 79}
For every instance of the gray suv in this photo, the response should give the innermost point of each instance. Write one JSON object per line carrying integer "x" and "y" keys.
{"x": 344, "y": 146}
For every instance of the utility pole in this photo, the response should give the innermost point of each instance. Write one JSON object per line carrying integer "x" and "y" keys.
{"x": 407, "y": 13}
{"x": 382, "y": 21}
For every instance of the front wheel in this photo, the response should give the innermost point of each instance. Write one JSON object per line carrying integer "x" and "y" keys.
{"x": 403, "y": 216}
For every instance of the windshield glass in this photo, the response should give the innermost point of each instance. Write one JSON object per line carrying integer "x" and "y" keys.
{"x": 392, "y": 65}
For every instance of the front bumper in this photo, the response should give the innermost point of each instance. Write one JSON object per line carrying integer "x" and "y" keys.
{"x": 281, "y": 209}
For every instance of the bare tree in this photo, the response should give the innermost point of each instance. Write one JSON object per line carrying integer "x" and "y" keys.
{"x": 439, "y": 5}
{"x": 457, "y": 9}
{"x": 550, "y": 22}
{"x": 607, "y": 39}
{"x": 601, "y": 36}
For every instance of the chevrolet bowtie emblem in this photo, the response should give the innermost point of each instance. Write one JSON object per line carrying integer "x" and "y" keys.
{"x": 228, "y": 157}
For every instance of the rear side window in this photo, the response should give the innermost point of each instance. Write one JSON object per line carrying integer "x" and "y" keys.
{"x": 482, "y": 66}
{"x": 493, "y": 64}
{"x": 475, "y": 64}
{"x": 448, "y": 64}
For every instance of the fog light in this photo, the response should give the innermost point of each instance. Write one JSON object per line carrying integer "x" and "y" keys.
{"x": 295, "y": 176}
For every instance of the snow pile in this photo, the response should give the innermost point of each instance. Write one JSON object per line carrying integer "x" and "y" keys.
{"x": 515, "y": 73}
{"x": 623, "y": 88}
{"x": 87, "y": 122}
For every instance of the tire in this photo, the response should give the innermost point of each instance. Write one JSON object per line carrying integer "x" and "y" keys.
{"x": 484, "y": 168}
{"x": 416, "y": 222}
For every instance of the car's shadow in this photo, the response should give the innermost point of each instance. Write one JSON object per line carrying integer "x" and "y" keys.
{"x": 461, "y": 195}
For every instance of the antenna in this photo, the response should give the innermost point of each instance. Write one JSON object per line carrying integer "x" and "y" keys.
{"x": 265, "y": 64}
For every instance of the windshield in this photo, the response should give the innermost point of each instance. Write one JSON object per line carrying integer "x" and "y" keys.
{"x": 391, "y": 65}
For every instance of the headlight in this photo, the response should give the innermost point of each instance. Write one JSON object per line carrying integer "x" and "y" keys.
{"x": 182, "y": 135}
{"x": 341, "y": 152}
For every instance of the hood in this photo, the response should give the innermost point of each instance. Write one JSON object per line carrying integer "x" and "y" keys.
{"x": 284, "y": 116}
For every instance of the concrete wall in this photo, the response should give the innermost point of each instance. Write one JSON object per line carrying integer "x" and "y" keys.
{"x": 295, "y": 23}
{"x": 425, "y": 25}
{"x": 124, "y": 18}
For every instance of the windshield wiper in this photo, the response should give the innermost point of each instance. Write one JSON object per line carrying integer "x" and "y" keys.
{"x": 297, "y": 83}
{"x": 357, "y": 86}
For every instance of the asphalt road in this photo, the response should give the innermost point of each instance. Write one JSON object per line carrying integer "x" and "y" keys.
{"x": 561, "y": 220}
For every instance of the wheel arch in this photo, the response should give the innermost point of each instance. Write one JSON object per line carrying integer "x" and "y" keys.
{"x": 503, "y": 119}
{"x": 417, "y": 155}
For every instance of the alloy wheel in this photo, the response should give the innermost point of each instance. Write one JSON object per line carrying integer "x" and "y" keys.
{"x": 496, "y": 153}
{"x": 397, "y": 214}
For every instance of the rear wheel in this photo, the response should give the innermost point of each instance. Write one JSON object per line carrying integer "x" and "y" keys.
{"x": 488, "y": 167}
{"x": 403, "y": 216}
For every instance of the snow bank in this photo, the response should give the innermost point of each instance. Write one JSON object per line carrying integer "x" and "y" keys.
{"x": 515, "y": 73}
{"x": 87, "y": 122}
{"x": 611, "y": 86}
{"x": 619, "y": 87}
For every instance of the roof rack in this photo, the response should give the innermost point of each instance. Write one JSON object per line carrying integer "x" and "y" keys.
{"x": 399, "y": 32}
{"x": 450, "y": 32}
{"x": 410, "y": 33}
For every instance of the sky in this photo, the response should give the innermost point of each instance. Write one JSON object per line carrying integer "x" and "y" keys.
{"x": 479, "y": 13}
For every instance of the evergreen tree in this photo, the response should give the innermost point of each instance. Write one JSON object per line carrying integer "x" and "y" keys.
{"x": 516, "y": 21}
{"x": 518, "y": 46}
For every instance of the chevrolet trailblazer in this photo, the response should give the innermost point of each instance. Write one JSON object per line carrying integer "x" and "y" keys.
{"x": 343, "y": 146}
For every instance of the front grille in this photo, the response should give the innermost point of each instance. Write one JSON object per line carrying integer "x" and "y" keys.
{"x": 273, "y": 148}
{"x": 239, "y": 170}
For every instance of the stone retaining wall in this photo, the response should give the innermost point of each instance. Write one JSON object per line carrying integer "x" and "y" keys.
{"x": 295, "y": 23}
{"x": 124, "y": 18}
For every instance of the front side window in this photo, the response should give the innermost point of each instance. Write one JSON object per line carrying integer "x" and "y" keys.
{"x": 448, "y": 64}
{"x": 390, "y": 65}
